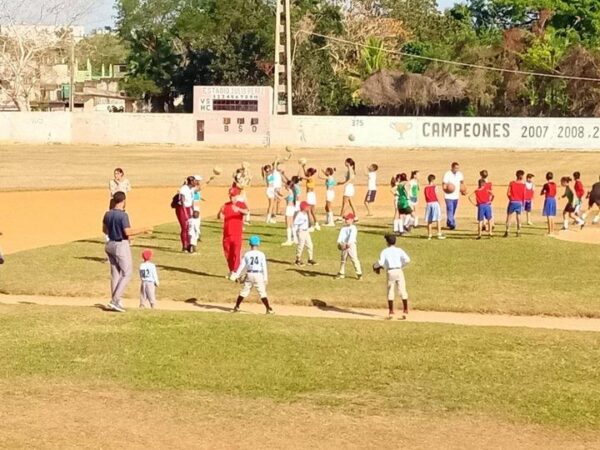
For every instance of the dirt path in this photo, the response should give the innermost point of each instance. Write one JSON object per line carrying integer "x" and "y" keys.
{"x": 322, "y": 310}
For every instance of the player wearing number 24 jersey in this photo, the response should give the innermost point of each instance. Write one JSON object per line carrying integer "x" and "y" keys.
{"x": 254, "y": 263}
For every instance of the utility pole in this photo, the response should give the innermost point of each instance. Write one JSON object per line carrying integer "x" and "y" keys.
{"x": 72, "y": 74}
{"x": 282, "y": 97}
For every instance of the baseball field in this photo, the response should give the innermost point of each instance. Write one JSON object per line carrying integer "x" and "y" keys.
{"x": 77, "y": 376}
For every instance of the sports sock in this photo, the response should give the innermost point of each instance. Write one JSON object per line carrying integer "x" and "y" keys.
{"x": 239, "y": 301}
{"x": 566, "y": 224}
{"x": 289, "y": 234}
{"x": 391, "y": 306}
{"x": 265, "y": 302}
{"x": 416, "y": 221}
{"x": 400, "y": 226}
{"x": 405, "y": 306}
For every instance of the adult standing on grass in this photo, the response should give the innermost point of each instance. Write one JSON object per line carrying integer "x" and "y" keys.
{"x": 233, "y": 213}
{"x": 118, "y": 184}
{"x": 117, "y": 227}
{"x": 453, "y": 185}
{"x": 184, "y": 210}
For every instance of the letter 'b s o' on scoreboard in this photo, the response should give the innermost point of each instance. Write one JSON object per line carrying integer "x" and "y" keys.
{"x": 230, "y": 115}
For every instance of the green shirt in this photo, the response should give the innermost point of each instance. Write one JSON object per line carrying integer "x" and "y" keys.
{"x": 402, "y": 197}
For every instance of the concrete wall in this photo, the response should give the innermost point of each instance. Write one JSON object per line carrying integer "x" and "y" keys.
{"x": 304, "y": 131}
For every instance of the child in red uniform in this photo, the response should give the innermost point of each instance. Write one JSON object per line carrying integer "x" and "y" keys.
{"x": 488, "y": 185}
{"x": 549, "y": 193}
{"x": 579, "y": 193}
{"x": 529, "y": 192}
{"x": 482, "y": 198}
{"x": 433, "y": 211}
{"x": 516, "y": 200}
{"x": 233, "y": 213}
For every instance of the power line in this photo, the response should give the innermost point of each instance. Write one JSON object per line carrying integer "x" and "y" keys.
{"x": 454, "y": 63}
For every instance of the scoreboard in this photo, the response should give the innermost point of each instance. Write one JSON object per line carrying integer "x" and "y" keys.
{"x": 236, "y": 115}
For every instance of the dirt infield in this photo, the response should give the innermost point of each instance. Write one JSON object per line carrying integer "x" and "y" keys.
{"x": 322, "y": 310}
{"x": 65, "y": 416}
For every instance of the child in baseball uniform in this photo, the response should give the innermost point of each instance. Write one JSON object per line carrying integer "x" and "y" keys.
{"x": 194, "y": 230}
{"x": 301, "y": 227}
{"x": 347, "y": 241}
{"x": 254, "y": 263}
{"x": 371, "y": 187}
{"x": 529, "y": 193}
{"x": 149, "y": 280}
{"x": 393, "y": 260}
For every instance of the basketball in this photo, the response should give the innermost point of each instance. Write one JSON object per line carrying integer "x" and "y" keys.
{"x": 449, "y": 188}
{"x": 217, "y": 170}
{"x": 302, "y": 161}
{"x": 463, "y": 189}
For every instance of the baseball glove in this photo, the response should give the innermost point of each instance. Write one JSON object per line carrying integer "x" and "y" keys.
{"x": 376, "y": 268}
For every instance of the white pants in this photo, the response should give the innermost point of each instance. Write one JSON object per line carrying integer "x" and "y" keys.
{"x": 254, "y": 280}
{"x": 352, "y": 253}
{"x": 147, "y": 293}
{"x": 311, "y": 198}
{"x": 330, "y": 195}
{"x": 304, "y": 240}
{"x": 396, "y": 281}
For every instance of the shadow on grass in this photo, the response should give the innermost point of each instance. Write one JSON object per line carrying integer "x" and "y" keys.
{"x": 279, "y": 261}
{"x": 93, "y": 258}
{"x": 310, "y": 273}
{"x": 207, "y": 306}
{"x": 188, "y": 271}
{"x": 323, "y": 306}
{"x": 105, "y": 308}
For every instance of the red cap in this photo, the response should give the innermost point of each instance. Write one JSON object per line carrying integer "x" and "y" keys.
{"x": 234, "y": 192}
{"x": 147, "y": 255}
{"x": 304, "y": 206}
{"x": 349, "y": 216}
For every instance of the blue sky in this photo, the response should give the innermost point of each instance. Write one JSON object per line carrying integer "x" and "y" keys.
{"x": 103, "y": 13}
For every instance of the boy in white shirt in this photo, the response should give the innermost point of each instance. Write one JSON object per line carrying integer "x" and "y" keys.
{"x": 371, "y": 187}
{"x": 301, "y": 227}
{"x": 194, "y": 231}
{"x": 347, "y": 241}
{"x": 149, "y": 278}
{"x": 254, "y": 263}
{"x": 393, "y": 260}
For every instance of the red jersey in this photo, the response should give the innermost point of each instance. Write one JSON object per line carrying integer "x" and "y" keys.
{"x": 233, "y": 224}
{"x": 579, "y": 189}
{"x": 430, "y": 194}
{"x": 549, "y": 189}
{"x": 529, "y": 187}
{"x": 516, "y": 191}
{"x": 482, "y": 195}
{"x": 488, "y": 186}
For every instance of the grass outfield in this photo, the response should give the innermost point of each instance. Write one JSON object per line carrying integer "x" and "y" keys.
{"x": 533, "y": 274}
{"x": 378, "y": 368}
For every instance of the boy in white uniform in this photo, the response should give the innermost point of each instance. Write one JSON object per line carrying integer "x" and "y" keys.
{"x": 194, "y": 231}
{"x": 301, "y": 227}
{"x": 254, "y": 263}
{"x": 149, "y": 278}
{"x": 347, "y": 241}
{"x": 371, "y": 187}
{"x": 393, "y": 260}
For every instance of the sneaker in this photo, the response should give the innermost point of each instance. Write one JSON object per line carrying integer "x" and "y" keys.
{"x": 391, "y": 315}
{"x": 317, "y": 227}
{"x": 441, "y": 236}
{"x": 299, "y": 263}
{"x": 116, "y": 308}
{"x": 270, "y": 312}
{"x": 506, "y": 234}
{"x": 359, "y": 277}
{"x": 235, "y": 310}
{"x": 430, "y": 237}
{"x": 478, "y": 238}
{"x": 582, "y": 225}
{"x": 331, "y": 224}
{"x": 287, "y": 244}
{"x": 312, "y": 262}
{"x": 530, "y": 223}
{"x": 339, "y": 276}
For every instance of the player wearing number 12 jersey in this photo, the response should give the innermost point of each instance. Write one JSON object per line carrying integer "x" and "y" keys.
{"x": 254, "y": 263}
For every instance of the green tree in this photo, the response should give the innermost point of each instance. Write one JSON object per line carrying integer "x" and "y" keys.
{"x": 108, "y": 49}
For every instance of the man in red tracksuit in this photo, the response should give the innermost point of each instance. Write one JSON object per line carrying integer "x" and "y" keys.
{"x": 233, "y": 213}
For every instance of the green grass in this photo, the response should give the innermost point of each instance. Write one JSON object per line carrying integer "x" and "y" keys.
{"x": 529, "y": 275}
{"x": 534, "y": 376}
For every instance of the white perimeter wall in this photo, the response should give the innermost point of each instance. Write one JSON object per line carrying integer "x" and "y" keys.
{"x": 307, "y": 131}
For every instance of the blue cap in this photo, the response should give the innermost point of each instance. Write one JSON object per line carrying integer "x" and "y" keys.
{"x": 254, "y": 241}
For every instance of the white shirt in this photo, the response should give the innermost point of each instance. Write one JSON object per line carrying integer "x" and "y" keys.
{"x": 301, "y": 222}
{"x": 277, "y": 179}
{"x": 119, "y": 186}
{"x": 194, "y": 228}
{"x": 148, "y": 272}
{"x": 348, "y": 235}
{"x": 455, "y": 179}
{"x": 529, "y": 186}
{"x": 372, "y": 182}
{"x": 188, "y": 195}
{"x": 254, "y": 261}
{"x": 393, "y": 258}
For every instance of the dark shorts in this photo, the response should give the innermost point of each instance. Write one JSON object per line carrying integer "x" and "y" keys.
{"x": 528, "y": 204}
{"x": 514, "y": 207}
{"x": 484, "y": 212}
{"x": 569, "y": 208}
{"x": 594, "y": 201}
{"x": 407, "y": 210}
{"x": 370, "y": 197}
